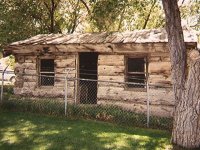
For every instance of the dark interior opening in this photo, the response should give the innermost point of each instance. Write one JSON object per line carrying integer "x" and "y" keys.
{"x": 88, "y": 70}
{"x": 136, "y": 72}
{"x": 46, "y": 72}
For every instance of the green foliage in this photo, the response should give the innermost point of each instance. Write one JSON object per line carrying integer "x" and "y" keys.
{"x": 117, "y": 15}
{"x": 190, "y": 13}
{"x": 98, "y": 112}
{"x": 105, "y": 13}
{"x": 10, "y": 61}
{"x": 20, "y": 19}
{"x": 8, "y": 89}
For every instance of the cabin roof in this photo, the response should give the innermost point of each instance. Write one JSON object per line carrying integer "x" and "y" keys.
{"x": 137, "y": 36}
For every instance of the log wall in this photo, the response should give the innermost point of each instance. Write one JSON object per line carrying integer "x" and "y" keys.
{"x": 111, "y": 67}
{"x": 161, "y": 99}
{"x": 27, "y": 76}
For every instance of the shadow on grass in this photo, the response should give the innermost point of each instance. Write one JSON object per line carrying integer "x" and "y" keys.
{"x": 28, "y": 131}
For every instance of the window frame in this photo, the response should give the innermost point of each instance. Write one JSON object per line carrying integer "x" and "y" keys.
{"x": 39, "y": 72}
{"x": 145, "y": 57}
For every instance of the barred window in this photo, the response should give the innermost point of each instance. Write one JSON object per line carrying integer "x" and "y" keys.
{"x": 136, "y": 72}
{"x": 46, "y": 72}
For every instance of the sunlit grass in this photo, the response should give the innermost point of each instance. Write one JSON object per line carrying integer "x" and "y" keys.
{"x": 28, "y": 131}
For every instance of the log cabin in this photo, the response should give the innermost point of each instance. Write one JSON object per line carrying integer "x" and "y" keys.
{"x": 115, "y": 56}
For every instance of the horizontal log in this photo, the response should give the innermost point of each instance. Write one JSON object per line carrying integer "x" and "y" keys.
{"x": 65, "y": 56}
{"x": 64, "y": 71}
{"x": 104, "y": 84}
{"x": 30, "y": 78}
{"x": 31, "y": 85}
{"x": 84, "y": 48}
{"x": 104, "y": 47}
{"x": 140, "y": 48}
{"x": 30, "y": 59}
{"x": 106, "y": 81}
{"x": 30, "y": 66}
{"x": 160, "y": 79}
{"x": 156, "y": 96}
{"x": 67, "y": 63}
{"x": 44, "y": 91}
{"x": 111, "y": 70}
{"x": 62, "y": 84}
{"x": 155, "y": 110}
{"x": 159, "y": 67}
{"x": 111, "y": 60}
{"x": 166, "y": 59}
{"x": 48, "y": 93}
{"x": 30, "y": 72}
{"x": 154, "y": 59}
{"x": 111, "y": 78}
{"x": 165, "y": 54}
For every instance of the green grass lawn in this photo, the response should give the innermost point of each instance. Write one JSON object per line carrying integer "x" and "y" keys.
{"x": 29, "y": 131}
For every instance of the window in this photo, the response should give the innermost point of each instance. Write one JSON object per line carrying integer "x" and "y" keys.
{"x": 46, "y": 72}
{"x": 136, "y": 72}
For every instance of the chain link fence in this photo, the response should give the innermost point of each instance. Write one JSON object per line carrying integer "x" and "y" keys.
{"x": 127, "y": 103}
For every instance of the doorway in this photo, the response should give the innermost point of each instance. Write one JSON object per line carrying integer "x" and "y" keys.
{"x": 88, "y": 70}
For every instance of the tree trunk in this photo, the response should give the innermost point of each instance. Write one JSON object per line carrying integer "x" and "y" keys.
{"x": 52, "y": 11}
{"x": 186, "y": 126}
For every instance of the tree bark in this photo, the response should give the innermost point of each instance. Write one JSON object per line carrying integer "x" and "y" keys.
{"x": 186, "y": 126}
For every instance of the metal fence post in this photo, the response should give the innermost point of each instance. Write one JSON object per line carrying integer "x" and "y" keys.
{"x": 66, "y": 87}
{"x": 2, "y": 84}
{"x": 66, "y": 91}
{"x": 148, "y": 105}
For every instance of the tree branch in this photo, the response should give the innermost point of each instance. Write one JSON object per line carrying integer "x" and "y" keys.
{"x": 56, "y": 4}
{"x": 149, "y": 14}
{"x": 46, "y": 5}
{"x": 86, "y": 6}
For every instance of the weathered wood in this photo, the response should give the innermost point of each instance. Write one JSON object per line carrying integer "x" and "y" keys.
{"x": 160, "y": 79}
{"x": 111, "y": 60}
{"x": 28, "y": 78}
{"x": 112, "y": 78}
{"x": 64, "y": 71}
{"x": 85, "y": 48}
{"x": 19, "y": 81}
{"x": 20, "y": 58}
{"x": 30, "y": 59}
{"x": 62, "y": 84}
{"x": 64, "y": 56}
{"x": 106, "y": 48}
{"x": 108, "y": 84}
{"x": 158, "y": 96}
{"x": 68, "y": 63}
{"x": 111, "y": 70}
{"x": 30, "y": 72}
{"x": 31, "y": 85}
{"x": 29, "y": 66}
{"x": 140, "y": 48}
{"x": 154, "y": 59}
{"x": 159, "y": 67}
{"x": 156, "y": 110}
{"x": 165, "y": 58}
